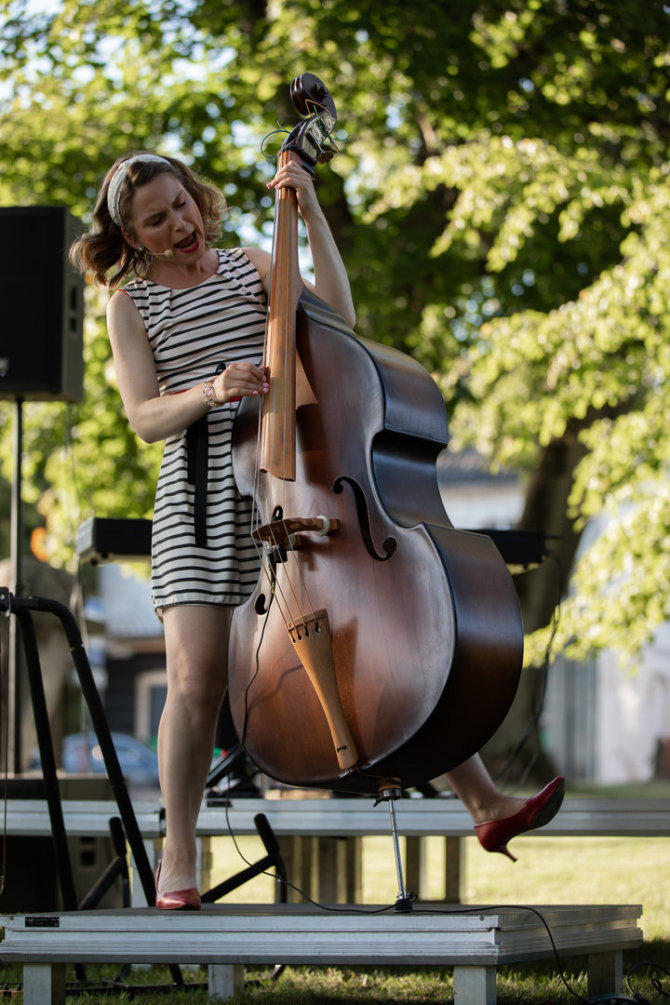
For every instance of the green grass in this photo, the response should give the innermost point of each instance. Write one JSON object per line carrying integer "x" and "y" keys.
{"x": 549, "y": 871}
{"x": 575, "y": 871}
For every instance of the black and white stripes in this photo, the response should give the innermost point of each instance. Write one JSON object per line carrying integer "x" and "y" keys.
{"x": 191, "y": 332}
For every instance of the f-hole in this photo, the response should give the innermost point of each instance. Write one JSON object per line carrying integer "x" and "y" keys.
{"x": 390, "y": 543}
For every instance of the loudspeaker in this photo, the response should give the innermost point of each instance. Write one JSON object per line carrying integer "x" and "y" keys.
{"x": 42, "y": 297}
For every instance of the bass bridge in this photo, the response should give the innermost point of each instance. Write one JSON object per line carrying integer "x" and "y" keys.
{"x": 286, "y": 534}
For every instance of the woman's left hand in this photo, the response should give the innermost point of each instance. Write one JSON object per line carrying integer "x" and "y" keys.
{"x": 293, "y": 175}
{"x": 330, "y": 276}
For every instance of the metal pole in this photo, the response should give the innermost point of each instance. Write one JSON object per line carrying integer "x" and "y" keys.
{"x": 16, "y": 588}
{"x": 388, "y": 792}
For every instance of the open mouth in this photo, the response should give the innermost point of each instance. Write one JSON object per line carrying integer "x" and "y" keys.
{"x": 189, "y": 243}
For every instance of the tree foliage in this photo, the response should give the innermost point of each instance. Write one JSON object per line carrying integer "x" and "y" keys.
{"x": 501, "y": 199}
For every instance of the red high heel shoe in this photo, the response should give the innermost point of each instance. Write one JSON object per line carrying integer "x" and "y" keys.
{"x": 536, "y": 812}
{"x": 177, "y": 900}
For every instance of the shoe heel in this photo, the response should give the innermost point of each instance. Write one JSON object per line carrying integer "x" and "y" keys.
{"x": 504, "y": 850}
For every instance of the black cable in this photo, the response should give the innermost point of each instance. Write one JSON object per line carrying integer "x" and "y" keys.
{"x": 337, "y": 909}
{"x": 257, "y": 669}
{"x": 501, "y": 908}
{"x": 655, "y": 983}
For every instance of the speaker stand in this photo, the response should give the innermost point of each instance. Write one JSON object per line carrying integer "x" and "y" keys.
{"x": 13, "y": 752}
{"x": 21, "y": 608}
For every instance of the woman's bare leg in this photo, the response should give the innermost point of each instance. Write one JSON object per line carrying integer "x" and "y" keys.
{"x": 196, "y": 641}
{"x": 475, "y": 788}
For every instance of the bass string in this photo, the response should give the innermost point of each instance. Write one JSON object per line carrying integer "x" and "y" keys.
{"x": 283, "y": 259}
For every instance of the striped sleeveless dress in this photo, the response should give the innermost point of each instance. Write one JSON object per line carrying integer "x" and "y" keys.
{"x": 201, "y": 548}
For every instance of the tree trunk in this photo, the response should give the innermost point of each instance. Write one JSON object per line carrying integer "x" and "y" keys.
{"x": 540, "y": 591}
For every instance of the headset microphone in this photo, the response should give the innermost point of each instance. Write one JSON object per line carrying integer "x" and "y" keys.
{"x": 169, "y": 253}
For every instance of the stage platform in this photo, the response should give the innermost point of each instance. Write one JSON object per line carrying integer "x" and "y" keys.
{"x": 474, "y": 942}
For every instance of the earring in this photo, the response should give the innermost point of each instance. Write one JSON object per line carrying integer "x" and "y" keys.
{"x": 141, "y": 249}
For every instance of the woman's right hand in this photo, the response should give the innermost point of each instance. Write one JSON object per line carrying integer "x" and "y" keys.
{"x": 240, "y": 380}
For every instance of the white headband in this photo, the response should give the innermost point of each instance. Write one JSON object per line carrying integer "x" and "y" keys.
{"x": 118, "y": 178}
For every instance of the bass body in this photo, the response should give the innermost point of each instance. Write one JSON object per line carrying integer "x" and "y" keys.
{"x": 425, "y": 632}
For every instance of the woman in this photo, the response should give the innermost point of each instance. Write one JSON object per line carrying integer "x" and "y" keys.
{"x": 187, "y": 336}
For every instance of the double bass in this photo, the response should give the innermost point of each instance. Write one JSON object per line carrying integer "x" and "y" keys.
{"x": 381, "y": 645}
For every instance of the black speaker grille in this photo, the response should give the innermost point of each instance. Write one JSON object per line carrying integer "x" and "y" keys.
{"x": 41, "y": 343}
